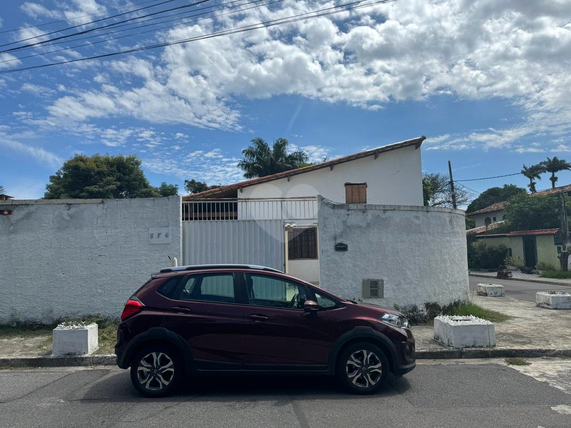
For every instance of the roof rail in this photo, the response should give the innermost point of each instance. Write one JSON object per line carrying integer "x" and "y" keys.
{"x": 213, "y": 267}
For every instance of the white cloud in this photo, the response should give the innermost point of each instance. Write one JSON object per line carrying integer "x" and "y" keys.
{"x": 7, "y": 60}
{"x": 37, "y": 89}
{"x": 14, "y": 142}
{"x": 405, "y": 50}
{"x": 35, "y": 10}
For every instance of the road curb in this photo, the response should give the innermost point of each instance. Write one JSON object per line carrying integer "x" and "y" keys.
{"x": 49, "y": 361}
{"x": 440, "y": 354}
{"x": 540, "y": 281}
{"x": 443, "y": 354}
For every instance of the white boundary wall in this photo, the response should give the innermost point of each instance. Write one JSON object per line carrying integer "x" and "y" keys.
{"x": 79, "y": 257}
{"x": 419, "y": 252}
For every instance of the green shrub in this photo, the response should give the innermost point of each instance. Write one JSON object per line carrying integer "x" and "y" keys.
{"x": 418, "y": 316}
{"x": 560, "y": 274}
{"x": 481, "y": 256}
{"x": 544, "y": 266}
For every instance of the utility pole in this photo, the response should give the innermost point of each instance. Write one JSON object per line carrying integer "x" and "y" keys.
{"x": 564, "y": 256}
{"x": 452, "y": 192}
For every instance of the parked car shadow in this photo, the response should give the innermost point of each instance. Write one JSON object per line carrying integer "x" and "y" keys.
{"x": 118, "y": 388}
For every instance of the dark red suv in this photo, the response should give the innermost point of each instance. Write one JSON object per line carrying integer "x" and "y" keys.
{"x": 208, "y": 319}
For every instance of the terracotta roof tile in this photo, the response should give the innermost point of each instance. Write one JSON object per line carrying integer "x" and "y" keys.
{"x": 498, "y": 206}
{"x": 376, "y": 151}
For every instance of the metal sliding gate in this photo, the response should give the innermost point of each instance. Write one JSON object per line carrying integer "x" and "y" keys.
{"x": 259, "y": 242}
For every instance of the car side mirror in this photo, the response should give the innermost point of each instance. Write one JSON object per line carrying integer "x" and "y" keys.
{"x": 310, "y": 306}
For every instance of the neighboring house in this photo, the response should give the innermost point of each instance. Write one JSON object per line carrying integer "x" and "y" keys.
{"x": 272, "y": 220}
{"x": 490, "y": 214}
{"x": 3, "y": 210}
{"x": 528, "y": 247}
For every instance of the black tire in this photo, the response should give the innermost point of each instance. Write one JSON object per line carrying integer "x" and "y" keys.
{"x": 157, "y": 370}
{"x": 363, "y": 368}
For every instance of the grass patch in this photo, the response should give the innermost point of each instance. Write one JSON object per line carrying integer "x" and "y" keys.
{"x": 418, "y": 316}
{"x": 107, "y": 329}
{"x": 477, "y": 311}
{"x": 559, "y": 274}
{"x": 516, "y": 361}
{"x": 25, "y": 330}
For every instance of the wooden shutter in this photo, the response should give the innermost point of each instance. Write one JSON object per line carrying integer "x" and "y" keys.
{"x": 355, "y": 193}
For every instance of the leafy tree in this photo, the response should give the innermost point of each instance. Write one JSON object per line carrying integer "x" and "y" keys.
{"x": 193, "y": 186}
{"x": 1, "y": 189}
{"x": 436, "y": 191}
{"x": 533, "y": 173}
{"x": 494, "y": 195}
{"x": 554, "y": 166}
{"x": 167, "y": 189}
{"x": 98, "y": 176}
{"x": 260, "y": 159}
{"x": 537, "y": 212}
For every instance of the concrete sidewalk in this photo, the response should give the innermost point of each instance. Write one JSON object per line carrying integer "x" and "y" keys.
{"x": 532, "y": 332}
{"x": 520, "y": 276}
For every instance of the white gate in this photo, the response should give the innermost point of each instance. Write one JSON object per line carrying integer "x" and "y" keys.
{"x": 259, "y": 242}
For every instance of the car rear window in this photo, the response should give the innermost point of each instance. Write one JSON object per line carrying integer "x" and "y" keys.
{"x": 169, "y": 287}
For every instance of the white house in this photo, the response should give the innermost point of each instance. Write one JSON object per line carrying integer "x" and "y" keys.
{"x": 272, "y": 220}
{"x": 491, "y": 214}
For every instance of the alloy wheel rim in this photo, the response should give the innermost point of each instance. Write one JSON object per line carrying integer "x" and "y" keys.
{"x": 155, "y": 371}
{"x": 364, "y": 368}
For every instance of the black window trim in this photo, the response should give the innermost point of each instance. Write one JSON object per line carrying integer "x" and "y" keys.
{"x": 308, "y": 291}
{"x": 237, "y": 294}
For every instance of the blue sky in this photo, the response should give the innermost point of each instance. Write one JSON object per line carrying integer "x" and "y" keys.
{"x": 487, "y": 82}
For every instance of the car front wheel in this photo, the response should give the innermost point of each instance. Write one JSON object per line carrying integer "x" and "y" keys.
{"x": 363, "y": 368}
{"x": 156, "y": 371}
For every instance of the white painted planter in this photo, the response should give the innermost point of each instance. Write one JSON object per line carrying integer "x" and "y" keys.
{"x": 558, "y": 300}
{"x": 75, "y": 340}
{"x": 464, "y": 332}
{"x": 491, "y": 290}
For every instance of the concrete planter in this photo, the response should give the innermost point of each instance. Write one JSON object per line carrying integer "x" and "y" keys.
{"x": 75, "y": 340}
{"x": 555, "y": 300}
{"x": 490, "y": 290}
{"x": 464, "y": 332}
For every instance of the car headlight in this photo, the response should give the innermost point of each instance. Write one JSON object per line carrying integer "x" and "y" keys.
{"x": 396, "y": 320}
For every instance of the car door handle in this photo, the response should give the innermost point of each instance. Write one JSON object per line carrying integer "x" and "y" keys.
{"x": 181, "y": 309}
{"x": 258, "y": 318}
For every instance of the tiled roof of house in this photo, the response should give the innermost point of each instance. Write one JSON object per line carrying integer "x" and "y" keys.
{"x": 213, "y": 193}
{"x": 498, "y": 206}
{"x": 535, "y": 232}
{"x": 482, "y": 229}
{"x": 556, "y": 190}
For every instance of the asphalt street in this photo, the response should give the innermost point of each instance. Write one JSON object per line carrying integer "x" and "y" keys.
{"x": 435, "y": 394}
{"x": 521, "y": 290}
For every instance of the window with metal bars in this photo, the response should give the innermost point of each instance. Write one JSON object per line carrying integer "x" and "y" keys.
{"x": 302, "y": 243}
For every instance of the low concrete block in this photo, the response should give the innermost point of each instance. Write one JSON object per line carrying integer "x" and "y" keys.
{"x": 75, "y": 340}
{"x": 553, "y": 300}
{"x": 464, "y": 332}
{"x": 491, "y": 290}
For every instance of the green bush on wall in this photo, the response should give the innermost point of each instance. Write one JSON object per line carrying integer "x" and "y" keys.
{"x": 481, "y": 256}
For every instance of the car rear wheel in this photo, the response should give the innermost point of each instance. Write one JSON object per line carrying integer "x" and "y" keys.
{"x": 156, "y": 371}
{"x": 363, "y": 368}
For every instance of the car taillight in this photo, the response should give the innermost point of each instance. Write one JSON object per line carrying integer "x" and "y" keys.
{"x": 132, "y": 307}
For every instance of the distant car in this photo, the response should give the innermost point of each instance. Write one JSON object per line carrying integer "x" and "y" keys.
{"x": 208, "y": 319}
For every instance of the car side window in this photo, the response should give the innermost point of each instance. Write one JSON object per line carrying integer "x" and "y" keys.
{"x": 275, "y": 292}
{"x": 210, "y": 288}
{"x": 324, "y": 302}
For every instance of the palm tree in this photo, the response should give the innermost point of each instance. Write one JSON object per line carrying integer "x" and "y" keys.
{"x": 260, "y": 159}
{"x": 533, "y": 172}
{"x": 555, "y": 165}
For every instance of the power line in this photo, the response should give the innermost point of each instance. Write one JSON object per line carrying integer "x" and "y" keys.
{"x": 489, "y": 178}
{"x": 99, "y": 28}
{"x": 287, "y": 20}
{"x": 44, "y": 24}
{"x": 87, "y": 23}
{"x": 192, "y": 15}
